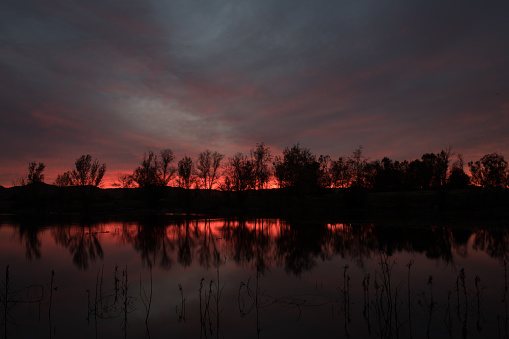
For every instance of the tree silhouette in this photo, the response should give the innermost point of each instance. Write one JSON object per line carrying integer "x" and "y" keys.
{"x": 261, "y": 159}
{"x": 370, "y": 172}
{"x": 490, "y": 171}
{"x": 185, "y": 172}
{"x": 87, "y": 172}
{"x": 147, "y": 174}
{"x": 208, "y": 167}
{"x": 34, "y": 175}
{"x": 325, "y": 179}
{"x": 155, "y": 170}
{"x": 35, "y": 172}
{"x": 64, "y": 179}
{"x": 442, "y": 166}
{"x": 166, "y": 171}
{"x": 388, "y": 175}
{"x": 357, "y": 163}
{"x": 240, "y": 173}
{"x": 458, "y": 178}
{"x": 428, "y": 172}
{"x": 297, "y": 168}
{"x": 124, "y": 180}
{"x": 340, "y": 173}
{"x": 416, "y": 175}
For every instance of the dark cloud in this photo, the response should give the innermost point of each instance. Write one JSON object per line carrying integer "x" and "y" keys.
{"x": 114, "y": 78}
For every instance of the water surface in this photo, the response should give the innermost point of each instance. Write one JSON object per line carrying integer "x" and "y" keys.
{"x": 227, "y": 278}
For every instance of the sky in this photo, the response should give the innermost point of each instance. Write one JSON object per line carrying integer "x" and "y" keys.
{"x": 115, "y": 79}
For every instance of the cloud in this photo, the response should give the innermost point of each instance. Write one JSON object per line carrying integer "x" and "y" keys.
{"x": 115, "y": 78}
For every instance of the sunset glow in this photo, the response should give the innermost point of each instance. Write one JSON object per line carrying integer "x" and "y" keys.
{"x": 116, "y": 79}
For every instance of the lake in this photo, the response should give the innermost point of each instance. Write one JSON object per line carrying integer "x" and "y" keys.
{"x": 252, "y": 278}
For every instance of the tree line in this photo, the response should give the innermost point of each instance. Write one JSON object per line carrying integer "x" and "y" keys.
{"x": 296, "y": 168}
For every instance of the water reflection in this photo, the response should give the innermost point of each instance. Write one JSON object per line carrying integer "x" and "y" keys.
{"x": 30, "y": 237}
{"x": 226, "y": 277}
{"x": 152, "y": 241}
{"x": 82, "y": 242}
{"x": 261, "y": 243}
{"x": 493, "y": 242}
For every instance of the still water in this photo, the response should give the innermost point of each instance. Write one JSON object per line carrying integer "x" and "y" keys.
{"x": 231, "y": 278}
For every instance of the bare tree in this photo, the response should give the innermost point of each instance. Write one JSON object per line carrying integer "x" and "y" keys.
{"x": 124, "y": 180}
{"x": 34, "y": 175}
{"x": 442, "y": 166}
{"x": 64, "y": 179}
{"x": 154, "y": 170}
{"x": 35, "y": 172}
{"x": 86, "y": 172}
{"x": 458, "y": 178}
{"x": 261, "y": 159}
{"x": 240, "y": 173}
{"x": 185, "y": 172}
{"x": 357, "y": 163}
{"x": 167, "y": 171}
{"x": 146, "y": 174}
{"x": 208, "y": 167}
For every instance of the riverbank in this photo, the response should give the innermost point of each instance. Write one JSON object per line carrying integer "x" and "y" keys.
{"x": 467, "y": 204}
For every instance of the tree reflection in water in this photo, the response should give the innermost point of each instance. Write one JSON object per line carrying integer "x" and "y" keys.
{"x": 185, "y": 242}
{"x": 30, "y": 236}
{"x": 407, "y": 301}
{"x": 151, "y": 240}
{"x": 263, "y": 243}
{"x": 299, "y": 246}
{"x": 207, "y": 247}
{"x": 493, "y": 242}
{"x": 81, "y": 241}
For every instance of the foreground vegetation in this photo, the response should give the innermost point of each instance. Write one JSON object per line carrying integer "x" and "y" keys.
{"x": 366, "y": 280}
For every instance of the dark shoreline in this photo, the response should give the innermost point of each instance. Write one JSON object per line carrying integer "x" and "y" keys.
{"x": 48, "y": 201}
